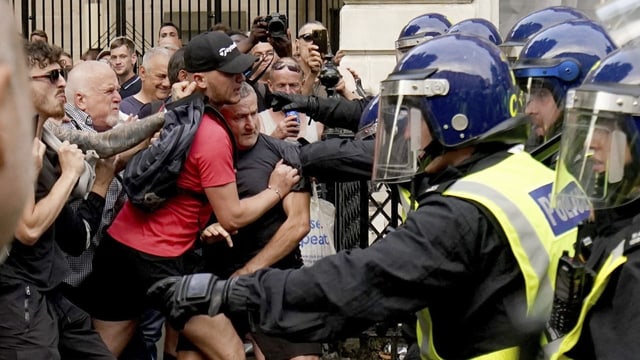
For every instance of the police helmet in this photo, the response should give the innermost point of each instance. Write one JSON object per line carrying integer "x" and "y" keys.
{"x": 420, "y": 29}
{"x": 478, "y": 27}
{"x": 368, "y": 120}
{"x": 536, "y": 21}
{"x": 553, "y": 61}
{"x": 600, "y": 147}
{"x": 450, "y": 92}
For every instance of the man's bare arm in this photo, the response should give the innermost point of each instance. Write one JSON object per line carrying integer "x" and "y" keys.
{"x": 113, "y": 141}
{"x": 38, "y": 216}
{"x": 288, "y": 235}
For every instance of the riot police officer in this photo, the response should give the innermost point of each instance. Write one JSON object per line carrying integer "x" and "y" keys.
{"x": 597, "y": 315}
{"x": 477, "y": 27}
{"x": 535, "y": 22}
{"x": 474, "y": 259}
{"x": 420, "y": 29}
{"x": 553, "y": 61}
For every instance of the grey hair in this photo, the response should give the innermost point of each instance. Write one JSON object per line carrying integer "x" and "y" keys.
{"x": 153, "y": 52}
{"x": 246, "y": 90}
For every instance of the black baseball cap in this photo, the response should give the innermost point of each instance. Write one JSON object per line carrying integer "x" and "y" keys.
{"x": 214, "y": 50}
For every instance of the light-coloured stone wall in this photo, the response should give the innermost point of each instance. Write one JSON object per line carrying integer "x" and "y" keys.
{"x": 369, "y": 29}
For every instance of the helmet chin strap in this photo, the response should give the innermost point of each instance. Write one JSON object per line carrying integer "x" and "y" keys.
{"x": 430, "y": 152}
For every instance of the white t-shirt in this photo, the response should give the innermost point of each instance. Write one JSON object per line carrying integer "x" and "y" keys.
{"x": 310, "y": 132}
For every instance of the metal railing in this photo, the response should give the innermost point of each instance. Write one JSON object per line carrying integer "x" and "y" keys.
{"x": 76, "y": 25}
{"x": 362, "y": 212}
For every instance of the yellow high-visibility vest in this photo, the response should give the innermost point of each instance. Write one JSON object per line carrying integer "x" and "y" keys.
{"x": 517, "y": 192}
{"x": 557, "y": 349}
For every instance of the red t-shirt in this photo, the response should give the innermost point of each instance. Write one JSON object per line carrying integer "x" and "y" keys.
{"x": 171, "y": 230}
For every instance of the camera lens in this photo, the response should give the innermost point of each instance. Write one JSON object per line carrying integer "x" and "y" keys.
{"x": 277, "y": 25}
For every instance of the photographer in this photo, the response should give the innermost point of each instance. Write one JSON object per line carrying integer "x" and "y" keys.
{"x": 273, "y": 29}
{"x": 322, "y": 76}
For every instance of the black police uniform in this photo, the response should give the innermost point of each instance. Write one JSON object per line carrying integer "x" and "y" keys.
{"x": 607, "y": 332}
{"x": 338, "y": 159}
{"x": 450, "y": 256}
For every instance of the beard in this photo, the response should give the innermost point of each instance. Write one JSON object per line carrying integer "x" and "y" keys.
{"x": 112, "y": 119}
{"x": 49, "y": 107}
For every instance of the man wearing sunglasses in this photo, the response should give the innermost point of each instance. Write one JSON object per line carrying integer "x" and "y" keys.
{"x": 38, "y": 321}
{"x": 312, "y": 60}
{"x": 286, "y": 77}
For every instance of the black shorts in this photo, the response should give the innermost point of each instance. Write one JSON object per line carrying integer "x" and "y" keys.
{"x": 273, "y": 348}
{"x": 120, "y": 279}
{"x": 46, "y": 325}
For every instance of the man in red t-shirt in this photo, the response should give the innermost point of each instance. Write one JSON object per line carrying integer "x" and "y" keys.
{"x": 143, "y": 247}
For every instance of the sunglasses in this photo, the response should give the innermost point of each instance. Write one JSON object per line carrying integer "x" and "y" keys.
{"x": 306, "y": 37}
{"x": 52, "y": 75}
{"x": 281, "y": 65}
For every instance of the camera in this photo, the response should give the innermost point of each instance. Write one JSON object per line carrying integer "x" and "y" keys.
{"x": 276, "y": 24}
{"x": 329, "y": 76}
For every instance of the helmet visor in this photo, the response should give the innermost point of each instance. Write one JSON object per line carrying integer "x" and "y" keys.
{"x": 543, "y": 103}
{"x": 595, "y": 152}
{"x": 511, "y": 51}
{"x": 399, "y": 139}
{"x": 403, "y": 45}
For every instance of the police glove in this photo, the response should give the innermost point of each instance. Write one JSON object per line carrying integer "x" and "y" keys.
{"x": 182, "y": 297}
{"x": 286, "y": 102}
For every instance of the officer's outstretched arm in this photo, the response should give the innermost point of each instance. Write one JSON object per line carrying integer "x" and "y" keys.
{"x": 181, "y": 298}
{"x": 113, "y": 141}
{"x": 333, "y": 112}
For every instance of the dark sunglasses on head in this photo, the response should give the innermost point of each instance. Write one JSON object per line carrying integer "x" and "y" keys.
{"x": 52, "y": 75}
{"x": 281, "y": 65}
{"x": 306, "y": 37}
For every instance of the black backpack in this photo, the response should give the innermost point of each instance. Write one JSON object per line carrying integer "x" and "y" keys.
{"x": 151, "y": 175}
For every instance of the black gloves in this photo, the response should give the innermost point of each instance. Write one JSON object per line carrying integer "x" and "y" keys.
{"x": 306, "y": 104}
{"x": 180, "y": 298}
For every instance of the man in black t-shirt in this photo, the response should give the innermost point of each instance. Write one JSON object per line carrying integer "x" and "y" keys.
{"x": 272, "y": 240}
{"x": 38, "y": 322}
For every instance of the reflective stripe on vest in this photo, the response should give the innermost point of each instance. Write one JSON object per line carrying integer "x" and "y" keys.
{"x": 557, "y": 348}
{"x": 405, "y": 201}
{"x": 517, "y": 192}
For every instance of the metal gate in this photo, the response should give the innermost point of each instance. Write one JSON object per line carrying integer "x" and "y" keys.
{"x": 363, "y": 212}
{"x": 77, "y": 25}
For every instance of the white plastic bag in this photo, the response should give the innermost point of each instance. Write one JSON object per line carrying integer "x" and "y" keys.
{"x": 319, "y": 241}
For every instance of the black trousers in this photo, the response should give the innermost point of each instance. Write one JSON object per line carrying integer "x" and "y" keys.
{"x": 38, "y": 325}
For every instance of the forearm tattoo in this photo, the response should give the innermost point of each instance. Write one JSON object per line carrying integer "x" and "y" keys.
{"x": 113, "y": 141}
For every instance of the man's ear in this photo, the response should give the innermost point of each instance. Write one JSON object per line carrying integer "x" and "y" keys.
{"x": 134, "y": 58}
{"x": 142, "y": 72}
{"x": 182, "y": 75}
{"x": 80, "y": 101}
{"x": 199, "y": 79}
{"x": 270, "y": 85}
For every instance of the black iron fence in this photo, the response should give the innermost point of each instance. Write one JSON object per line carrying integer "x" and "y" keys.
{"x": 362, "y": 212}
{"x": 76, "y": 25}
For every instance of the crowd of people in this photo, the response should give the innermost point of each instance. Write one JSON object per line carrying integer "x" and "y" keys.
{"x": 517, "y": 162}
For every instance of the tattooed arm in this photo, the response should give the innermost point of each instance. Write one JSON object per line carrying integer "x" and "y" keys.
{"x": 113, "y": 141}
